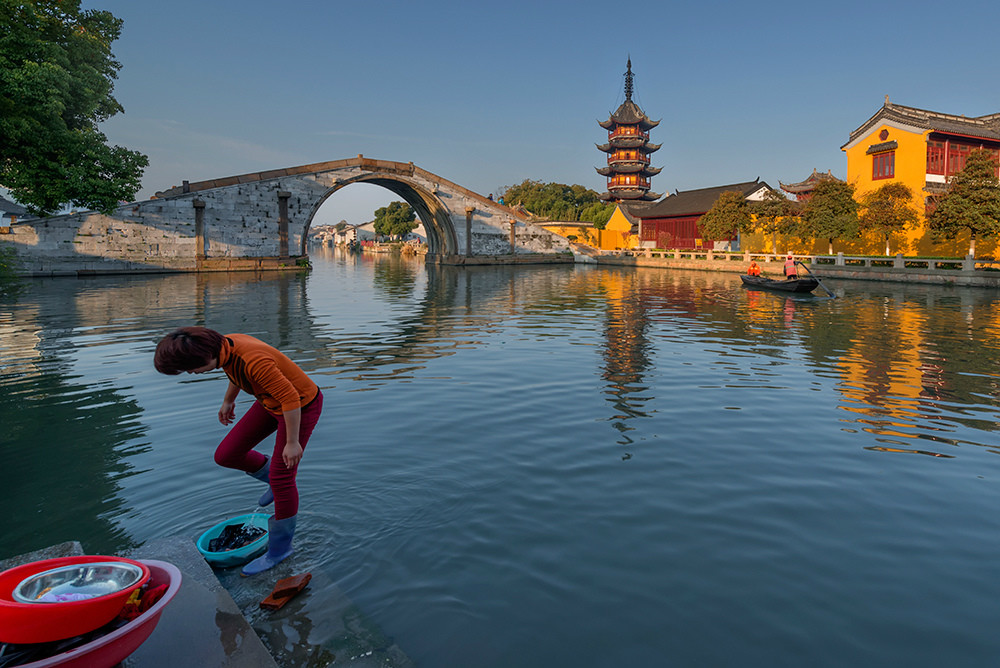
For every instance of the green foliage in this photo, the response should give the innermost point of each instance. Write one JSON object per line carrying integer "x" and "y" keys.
{"x": 730, "y": 214}
{"x": 831, "y": 213}
{"x": 57, "y": 74}
{"x": 558, "y": 201}
{"x": 10, "y": 282}
{"x": 775, "y": 214}
{"x": 972, "y": 204}
{"x": 887, "y": 210}
{"x": 396, "y": 219}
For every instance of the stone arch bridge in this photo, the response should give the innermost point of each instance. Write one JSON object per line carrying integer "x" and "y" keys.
{"x": 261, "y": 221}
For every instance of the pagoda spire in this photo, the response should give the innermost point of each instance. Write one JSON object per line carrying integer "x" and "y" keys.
{"x": 628, "y": 80}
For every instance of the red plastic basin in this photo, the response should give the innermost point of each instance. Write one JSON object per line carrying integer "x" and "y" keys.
{"x": 110, "y": 649}
{"x": 24, "y": 623}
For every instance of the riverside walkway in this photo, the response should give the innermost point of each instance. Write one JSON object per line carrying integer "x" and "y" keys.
{"x": 968, "y": 271}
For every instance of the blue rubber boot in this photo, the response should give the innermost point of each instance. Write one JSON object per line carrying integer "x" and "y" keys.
{"x": 264, "y": 476}
{"x": 279, "y": 546}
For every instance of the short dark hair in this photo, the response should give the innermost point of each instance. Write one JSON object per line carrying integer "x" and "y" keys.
{"x": 187, "y": 348}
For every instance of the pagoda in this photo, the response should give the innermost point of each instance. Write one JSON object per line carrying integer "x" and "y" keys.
{"x": 628, "y": 150}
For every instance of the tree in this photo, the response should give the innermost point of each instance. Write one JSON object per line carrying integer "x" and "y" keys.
{"x": 887, "y": 210}
{"x": 775, "y": 215}
{"x": 728, "y": 216}
{"x": 558, "y": 201}
{"x": 394, "y": 220}
{"x": 972, "y": 203}
{"x": 831, "y": 213}
{"x": 57, "y": 74}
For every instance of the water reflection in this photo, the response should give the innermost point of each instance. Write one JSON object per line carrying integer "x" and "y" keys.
{"x": 911, "y": 370}
{"x": 67, "y": 440}
{"x": 626, "y": 351}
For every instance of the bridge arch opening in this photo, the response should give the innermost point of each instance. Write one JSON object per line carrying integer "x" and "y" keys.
{"x": 430, "y": 211}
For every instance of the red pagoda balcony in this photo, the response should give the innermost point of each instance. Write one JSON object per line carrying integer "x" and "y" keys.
{"x": 628, "y": 156}
{"x": 627, "y": 181}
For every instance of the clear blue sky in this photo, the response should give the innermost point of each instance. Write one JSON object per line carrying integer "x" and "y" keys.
{"x": 489, "y": 94}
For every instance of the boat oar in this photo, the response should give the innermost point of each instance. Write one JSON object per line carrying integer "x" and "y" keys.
{"x": 817, "y": 279}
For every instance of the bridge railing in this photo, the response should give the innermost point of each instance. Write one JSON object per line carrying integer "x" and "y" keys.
{"x": 898, "y": 261}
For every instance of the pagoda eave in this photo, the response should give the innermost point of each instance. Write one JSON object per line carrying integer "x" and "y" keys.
{"x": 627, "y": 142}
{"x": 628, "y": 167}
{"x": 629, "y": 194}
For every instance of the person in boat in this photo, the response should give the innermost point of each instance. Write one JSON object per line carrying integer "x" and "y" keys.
{"x": 754, "y": 269}
{"x": 791, "y": 271}
{"x": 287, "y": 402}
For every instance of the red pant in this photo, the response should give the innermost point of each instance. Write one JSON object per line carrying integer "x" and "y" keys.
{"x": 237, "y": 450}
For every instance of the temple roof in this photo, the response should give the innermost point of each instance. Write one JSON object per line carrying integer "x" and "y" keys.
{"x": 809, "y": 183}
{"x": 986, "y": 127}
{"x": 697, "y": 202}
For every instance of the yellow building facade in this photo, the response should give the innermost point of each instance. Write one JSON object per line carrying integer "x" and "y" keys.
{"x": 921, "y": 149}
{"x": 617, "y": 233}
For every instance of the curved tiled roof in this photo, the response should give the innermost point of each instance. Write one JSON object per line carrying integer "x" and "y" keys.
{"x": 809, "y": 183}
{"x": 986, "y": 127}
{"x": 629, "y": 113}
{"x": 697, "y": 202}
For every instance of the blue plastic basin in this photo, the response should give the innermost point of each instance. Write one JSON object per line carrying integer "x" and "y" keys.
{"x": 240, "y": 555}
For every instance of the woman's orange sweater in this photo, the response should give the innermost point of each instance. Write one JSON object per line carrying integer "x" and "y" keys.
{"x": 265, "y": 372}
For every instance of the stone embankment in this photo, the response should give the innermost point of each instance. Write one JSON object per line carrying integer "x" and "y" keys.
{"x": 968, "y": 271}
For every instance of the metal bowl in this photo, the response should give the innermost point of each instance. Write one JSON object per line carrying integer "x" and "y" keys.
{"x": 77, "y": 582}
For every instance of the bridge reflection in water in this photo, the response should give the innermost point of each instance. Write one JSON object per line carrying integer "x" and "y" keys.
{"x": 636, "y": 461}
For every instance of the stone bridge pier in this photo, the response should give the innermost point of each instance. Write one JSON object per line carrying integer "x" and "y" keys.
{"x": 261, "y": 221}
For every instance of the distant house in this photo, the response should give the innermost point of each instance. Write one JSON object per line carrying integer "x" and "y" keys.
{"x": 10, "y": 213}
{"x": 366, "y": 232}
{"x": 345, "y": 235}
{"x": 673, "y": 222}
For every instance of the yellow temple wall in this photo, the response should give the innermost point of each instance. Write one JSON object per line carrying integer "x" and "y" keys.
{"x": 910, "y": 169}
{"x": 615, "y": 235}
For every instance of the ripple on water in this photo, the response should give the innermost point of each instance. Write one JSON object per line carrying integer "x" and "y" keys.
{"x": 554, "y": 466}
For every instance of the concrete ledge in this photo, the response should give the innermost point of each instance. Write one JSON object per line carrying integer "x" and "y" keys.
{"x": 202, "y": 626}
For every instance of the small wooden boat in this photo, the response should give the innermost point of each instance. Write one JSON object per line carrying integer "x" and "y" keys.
{"x": 805, "y": 284}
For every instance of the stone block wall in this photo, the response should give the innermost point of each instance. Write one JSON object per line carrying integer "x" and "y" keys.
{"x": 260, "y": 221}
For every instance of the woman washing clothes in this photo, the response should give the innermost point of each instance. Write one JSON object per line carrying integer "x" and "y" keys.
{"x": 287, "y": 402}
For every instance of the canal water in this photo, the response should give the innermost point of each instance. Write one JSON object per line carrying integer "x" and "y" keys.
{"x": 542, "y": 466}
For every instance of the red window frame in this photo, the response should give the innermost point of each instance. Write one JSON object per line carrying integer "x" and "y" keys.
{"x": 883, "y": 165}
{"x": 935, "y": 157}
